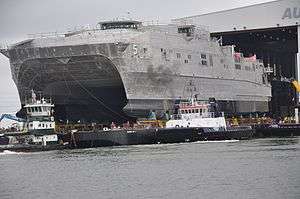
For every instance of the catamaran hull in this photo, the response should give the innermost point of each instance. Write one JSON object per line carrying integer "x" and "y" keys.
{"x": 110, "y": 81}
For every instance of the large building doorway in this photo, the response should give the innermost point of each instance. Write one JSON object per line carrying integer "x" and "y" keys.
{"x": 277, "y": 47}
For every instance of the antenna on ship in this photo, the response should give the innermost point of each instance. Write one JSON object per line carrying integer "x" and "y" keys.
{"x": 33, "y": 96}
{"x": 129, "y": 15}
{"x": 40, "y": 94}
{"x": 220, "y": 41}
{"x": 191, "y": 88}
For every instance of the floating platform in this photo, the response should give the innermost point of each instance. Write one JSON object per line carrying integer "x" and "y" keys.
{"x": 100, "y": 138}
{"x": 280, "y": 130}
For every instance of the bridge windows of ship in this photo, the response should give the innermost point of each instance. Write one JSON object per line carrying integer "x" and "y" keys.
{"x": 203, "y": 56}
{"x": 204, "y": 62}
{"x": 188, "y": 30}
{"x": 178, "y": 55}
{"x": 196, "y": 110}
{"x": 186, "y": 61}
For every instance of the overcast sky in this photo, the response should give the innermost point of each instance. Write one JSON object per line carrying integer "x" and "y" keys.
{"x": 21, "y": 17}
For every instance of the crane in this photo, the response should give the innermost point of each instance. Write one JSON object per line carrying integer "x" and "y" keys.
{"x": 11, "y": 117}
{"x": 296, "y": 85}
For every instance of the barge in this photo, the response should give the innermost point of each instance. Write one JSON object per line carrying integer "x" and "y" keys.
{"x": 277, "y": 130}
{"x": 89, "y": 139}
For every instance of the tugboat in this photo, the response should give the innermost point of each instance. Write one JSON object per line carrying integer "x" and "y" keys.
{"x": 39, "y": 128}
{"x": 196, "y": 113}
{"x": 207, "y": 120}
{"x": 40, "y": 122}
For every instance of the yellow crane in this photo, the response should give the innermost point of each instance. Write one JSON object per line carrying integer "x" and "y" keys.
{"x": 296, "y": 85}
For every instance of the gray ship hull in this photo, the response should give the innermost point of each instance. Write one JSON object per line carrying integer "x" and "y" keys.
{"x": 91, "y": 88}
{"x": 127, "y": 74}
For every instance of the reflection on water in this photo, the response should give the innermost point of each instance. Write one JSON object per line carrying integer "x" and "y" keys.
{"x": 261, "y": 168}
{"x": 279, "y": 141}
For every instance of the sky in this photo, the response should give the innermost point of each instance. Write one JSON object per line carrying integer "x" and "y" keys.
{"x": 18, "y": 18}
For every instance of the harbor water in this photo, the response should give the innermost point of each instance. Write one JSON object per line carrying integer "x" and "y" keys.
{"x": 259, "y": 168}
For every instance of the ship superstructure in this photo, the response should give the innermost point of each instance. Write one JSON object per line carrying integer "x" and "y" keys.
{"x": 39, "y": 116}
{"x": 196, "y": 113}
{"x": 125, "y": 66}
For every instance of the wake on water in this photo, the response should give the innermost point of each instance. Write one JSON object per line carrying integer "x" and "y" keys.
{"x": 182, "y": 143}
{"x": 217, "y": 141}
{"x": 8, "y": 152}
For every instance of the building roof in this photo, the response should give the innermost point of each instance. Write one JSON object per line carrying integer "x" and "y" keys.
{"x": 232, "y": 9}
{"x": 258, "y": 16}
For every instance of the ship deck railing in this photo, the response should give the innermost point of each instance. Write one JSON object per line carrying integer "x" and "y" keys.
{"x": 88, "y": 28}
{"x": 195, "y": 115}
{"x": 3, "y": 46}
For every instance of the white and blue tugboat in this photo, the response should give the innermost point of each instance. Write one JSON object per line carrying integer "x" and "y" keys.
{"x": 39, "y": 128}
{"x": 40, "y": 122}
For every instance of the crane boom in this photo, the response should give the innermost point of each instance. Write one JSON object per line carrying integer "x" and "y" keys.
{"x": 11, "y": 117}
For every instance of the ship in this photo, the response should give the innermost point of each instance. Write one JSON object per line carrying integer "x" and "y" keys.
{"x": 199, "y": 114}
{"x": 125, "y": 69}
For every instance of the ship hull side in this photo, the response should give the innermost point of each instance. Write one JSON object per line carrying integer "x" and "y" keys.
{"x": 93, "y": 87}
{"x": 159, "y": 92}
{"x": 95, "y": 82}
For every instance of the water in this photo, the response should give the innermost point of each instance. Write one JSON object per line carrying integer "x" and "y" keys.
{"x": 262, "y": 168}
